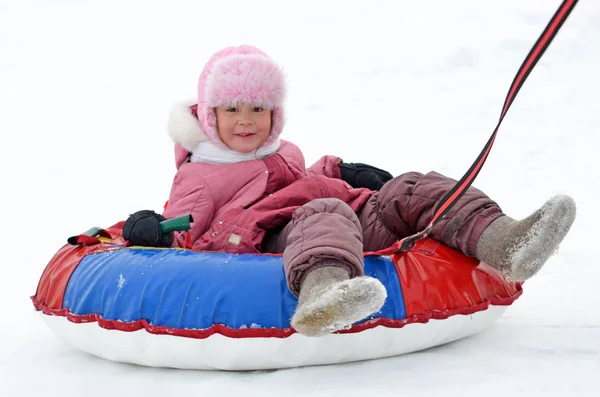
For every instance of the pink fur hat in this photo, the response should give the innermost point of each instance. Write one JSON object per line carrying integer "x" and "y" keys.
{"x": 238, "y": 75}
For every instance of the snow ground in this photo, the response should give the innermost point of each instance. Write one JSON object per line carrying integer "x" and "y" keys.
{"x": 85, "y": 89}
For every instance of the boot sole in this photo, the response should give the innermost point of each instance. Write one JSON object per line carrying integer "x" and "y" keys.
{"x": 340, "y": 306}
{"x": 557, "y": 216}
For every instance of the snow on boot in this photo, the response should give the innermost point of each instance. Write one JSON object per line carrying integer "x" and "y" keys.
{"x": 518, "y": 249}
{"x": 329, "y": 301}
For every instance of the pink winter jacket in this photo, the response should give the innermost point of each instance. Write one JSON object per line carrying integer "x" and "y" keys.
{"x": 215, "y": 194}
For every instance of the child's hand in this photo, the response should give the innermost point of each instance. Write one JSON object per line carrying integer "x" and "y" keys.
{"x": 364, "y": 175}
{"x": 143, "y": 228}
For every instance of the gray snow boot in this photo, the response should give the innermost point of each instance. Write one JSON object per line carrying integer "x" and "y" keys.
{"x": 518, "y": 249}
{"x": 329, "y": 301}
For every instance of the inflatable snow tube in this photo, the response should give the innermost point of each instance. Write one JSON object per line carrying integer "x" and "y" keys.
{"x": 212, "y": 310}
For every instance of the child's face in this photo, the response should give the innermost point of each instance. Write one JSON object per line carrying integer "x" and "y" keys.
{"x": 244, "y": 128}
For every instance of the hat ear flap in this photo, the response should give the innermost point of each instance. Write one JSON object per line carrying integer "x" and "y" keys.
{"x": 184, "y": 127}
{"x": 277, "y": 123}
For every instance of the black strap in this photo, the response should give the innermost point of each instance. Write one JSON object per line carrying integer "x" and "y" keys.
{"x": 465, "y": 182}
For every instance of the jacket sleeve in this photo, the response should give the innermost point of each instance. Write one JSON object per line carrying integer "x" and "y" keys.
{"x": 327, "y": 166}
{"x": 190, "y": 195}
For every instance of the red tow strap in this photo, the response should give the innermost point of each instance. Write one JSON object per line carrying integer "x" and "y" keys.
{"x": 465, "y": 182}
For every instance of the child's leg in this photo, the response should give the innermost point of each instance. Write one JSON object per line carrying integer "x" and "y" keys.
{"x": 405, "y": 206}
{"x": 476, "y": 226}
{"x": 323, "y": 260}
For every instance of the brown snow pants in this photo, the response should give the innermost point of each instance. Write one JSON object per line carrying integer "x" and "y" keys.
{"x": 329, "y": 229}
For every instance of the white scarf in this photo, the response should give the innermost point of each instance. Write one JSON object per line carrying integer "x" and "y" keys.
{"x": 210, "y": 153}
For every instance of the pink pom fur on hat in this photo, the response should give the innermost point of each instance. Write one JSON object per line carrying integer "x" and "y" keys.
{"x": 237, "y": 75}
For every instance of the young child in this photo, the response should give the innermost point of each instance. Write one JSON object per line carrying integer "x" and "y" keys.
{"x": 248, "y": 191}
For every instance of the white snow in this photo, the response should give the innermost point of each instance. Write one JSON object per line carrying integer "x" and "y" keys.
{"x": 85, "y": 91}
{"x": 121, "y": 281}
